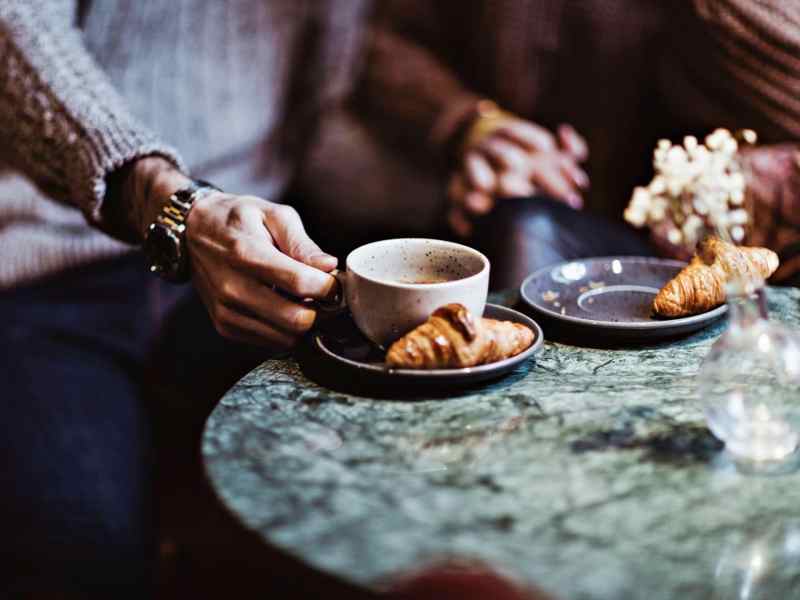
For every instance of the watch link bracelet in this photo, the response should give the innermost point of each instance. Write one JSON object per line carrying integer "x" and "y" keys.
{"x": 165, "y": 245}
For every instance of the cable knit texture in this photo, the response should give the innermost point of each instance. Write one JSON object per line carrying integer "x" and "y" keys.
{"x": 236, "y": 86}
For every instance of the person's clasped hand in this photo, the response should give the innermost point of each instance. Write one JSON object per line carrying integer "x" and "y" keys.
{"x": 504, "y": 156}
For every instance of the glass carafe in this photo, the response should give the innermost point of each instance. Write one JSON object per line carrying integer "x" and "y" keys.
{"x": 749, "y": 383}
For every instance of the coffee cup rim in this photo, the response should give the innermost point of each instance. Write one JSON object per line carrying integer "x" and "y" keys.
{"x": 415, "y": 286}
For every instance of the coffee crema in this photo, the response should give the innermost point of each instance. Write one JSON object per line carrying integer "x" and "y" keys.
{"x": 427, "y": 280}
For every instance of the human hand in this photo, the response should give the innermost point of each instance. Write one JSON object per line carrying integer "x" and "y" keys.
{"x": 516, "y": 158}
{"x": 772, "y": 173}
{"x": 244, "y": 251}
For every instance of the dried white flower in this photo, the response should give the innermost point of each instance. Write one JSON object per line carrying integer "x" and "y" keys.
{"x": 692, "y": 229}
{"x": 658, "y": 209}
{"x": 636, "y": 216}
{"x": 641, "y": 197}
{"x": 697, "y": 186}
{"x": 749, "y": 136}
{"x": 738, "y": 217}
{"x": 700, "y": 206}
{"x": 729, "y": 146}
{"x": 677, "y": 156}
{"x": 657, "y": 186}
{"x": 675, "y": 185}
{"x": 737, "y": 181}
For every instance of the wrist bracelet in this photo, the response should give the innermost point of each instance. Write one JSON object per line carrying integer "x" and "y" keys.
{"x": 487, "y": 119}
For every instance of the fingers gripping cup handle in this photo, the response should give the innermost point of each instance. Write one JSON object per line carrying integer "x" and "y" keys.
{"x": 338, "y": 302}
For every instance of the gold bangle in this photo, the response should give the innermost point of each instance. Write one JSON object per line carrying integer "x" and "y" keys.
{"x": 489, "y": 117}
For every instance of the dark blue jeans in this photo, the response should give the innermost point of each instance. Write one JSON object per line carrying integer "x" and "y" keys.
{"x": 77, "y": 508}
{"x": 74, "y": 435}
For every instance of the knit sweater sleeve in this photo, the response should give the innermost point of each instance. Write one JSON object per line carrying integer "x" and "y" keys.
{"x": 61, "y": 121}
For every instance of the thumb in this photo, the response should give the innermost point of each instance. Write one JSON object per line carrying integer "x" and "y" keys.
{"x": 322, "y": 261}
{"x": 290, "y": 236}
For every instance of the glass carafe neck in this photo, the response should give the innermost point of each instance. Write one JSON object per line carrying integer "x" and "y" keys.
{"x": 747, "y": 302}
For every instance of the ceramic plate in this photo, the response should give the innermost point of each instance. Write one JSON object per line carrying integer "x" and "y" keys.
{"x": 342, "y": 343}
{"x": 608, "y": 297}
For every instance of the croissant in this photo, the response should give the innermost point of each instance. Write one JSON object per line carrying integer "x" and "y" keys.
{"x": 453, "y": 338}
{"x": 700, "y": 286}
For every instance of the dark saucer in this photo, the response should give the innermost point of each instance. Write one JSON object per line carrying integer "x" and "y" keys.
{"x": 340, "y": 344}
{"x": 608, "y": 299}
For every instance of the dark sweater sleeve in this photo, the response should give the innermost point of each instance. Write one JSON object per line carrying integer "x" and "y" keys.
{"x": 61, "y": 121}
{"x": 406, "y": 90}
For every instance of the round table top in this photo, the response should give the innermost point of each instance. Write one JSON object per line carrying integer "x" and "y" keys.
{"x": 588, "y": 473}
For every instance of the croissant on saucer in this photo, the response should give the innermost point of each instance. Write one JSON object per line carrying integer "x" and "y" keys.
{"x": 700, "y": 286}
{"x": 452, "y": 338}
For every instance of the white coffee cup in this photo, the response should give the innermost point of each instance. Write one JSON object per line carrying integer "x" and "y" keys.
{"x": 392, "y": 286}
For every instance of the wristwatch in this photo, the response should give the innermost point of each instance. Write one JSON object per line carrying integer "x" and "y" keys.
{"x": 165, "y": 244}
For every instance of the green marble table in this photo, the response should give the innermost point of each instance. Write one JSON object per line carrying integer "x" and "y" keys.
{"x": 588, "y": 473}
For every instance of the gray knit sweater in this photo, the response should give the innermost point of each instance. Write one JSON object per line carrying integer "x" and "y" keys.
{"x": 229, "y": 89}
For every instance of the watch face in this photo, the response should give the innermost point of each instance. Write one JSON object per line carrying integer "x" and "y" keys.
{"x": 163, "y": 251}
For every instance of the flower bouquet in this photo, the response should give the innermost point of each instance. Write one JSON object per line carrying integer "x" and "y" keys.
{"x": 698, "y": 188}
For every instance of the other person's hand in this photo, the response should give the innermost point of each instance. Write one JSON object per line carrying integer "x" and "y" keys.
{"x": 772, "y": 173}
{"x": 772, "y": 199}
{"x": 510, "y": 157}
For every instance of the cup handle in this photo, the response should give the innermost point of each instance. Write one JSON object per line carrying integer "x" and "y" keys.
{"x": 338, "y": 304}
